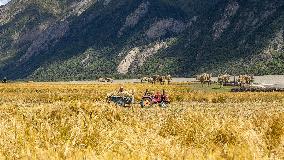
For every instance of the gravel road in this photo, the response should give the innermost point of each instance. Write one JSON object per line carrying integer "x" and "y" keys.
{"x": 268, "y": 79}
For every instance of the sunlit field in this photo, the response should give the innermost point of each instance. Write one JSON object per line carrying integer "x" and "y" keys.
{"x": 74, "y": 121}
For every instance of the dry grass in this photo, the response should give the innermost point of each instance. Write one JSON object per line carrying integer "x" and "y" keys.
{"x": 64, "y": 121}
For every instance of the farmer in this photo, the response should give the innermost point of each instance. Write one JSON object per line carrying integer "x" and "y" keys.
{"x": 123, "y": 92}
{"x": 121, "y": 89}
{"x": 158, "y": 96}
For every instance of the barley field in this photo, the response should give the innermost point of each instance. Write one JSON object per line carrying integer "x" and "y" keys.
{"x": 73, "y": 121}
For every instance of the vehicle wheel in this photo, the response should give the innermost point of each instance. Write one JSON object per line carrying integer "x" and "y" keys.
{"x": 146, "y": 103}
{"x": 108, "y": 99}
{"x": 163, "y": 105}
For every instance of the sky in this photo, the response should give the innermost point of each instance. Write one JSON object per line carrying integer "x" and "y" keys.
{"x": 2, "y": 2}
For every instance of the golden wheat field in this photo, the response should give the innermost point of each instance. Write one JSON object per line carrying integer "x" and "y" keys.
{"x": 73, "y": 121}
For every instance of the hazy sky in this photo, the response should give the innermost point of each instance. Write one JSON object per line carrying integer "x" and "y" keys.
{"x": 2, "y": 2}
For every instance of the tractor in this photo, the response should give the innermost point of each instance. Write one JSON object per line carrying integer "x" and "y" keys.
{"x": 149, "y": 99}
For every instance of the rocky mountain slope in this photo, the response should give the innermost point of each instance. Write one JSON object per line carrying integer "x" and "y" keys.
{"x": 86, "y": 39}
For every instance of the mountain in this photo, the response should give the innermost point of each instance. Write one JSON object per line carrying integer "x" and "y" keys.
{"x": 86, "y": 39}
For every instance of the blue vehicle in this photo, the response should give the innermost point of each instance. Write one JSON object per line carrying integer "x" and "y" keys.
{"x": 121, "y": 100}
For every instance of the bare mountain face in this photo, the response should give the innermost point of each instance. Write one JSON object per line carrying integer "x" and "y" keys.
{"x": 85, "y": 39}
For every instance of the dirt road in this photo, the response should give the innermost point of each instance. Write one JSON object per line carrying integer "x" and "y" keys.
{"x": 268, "y": 79}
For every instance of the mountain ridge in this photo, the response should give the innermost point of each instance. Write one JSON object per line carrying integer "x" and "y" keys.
{"x": 86, "y": 39}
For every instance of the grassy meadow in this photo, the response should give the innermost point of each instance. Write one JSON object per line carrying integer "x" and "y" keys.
{"x": 73, "y": 121}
